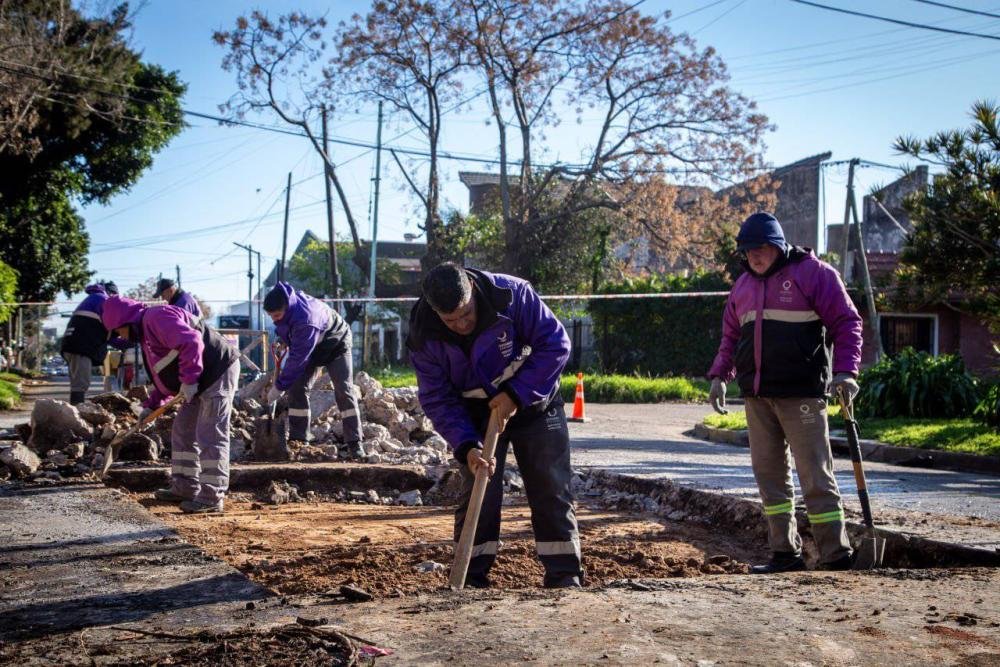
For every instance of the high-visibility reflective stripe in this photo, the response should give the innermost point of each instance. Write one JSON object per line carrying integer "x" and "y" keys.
{"x": 165, "y": 361}
{"x": 184, "y": 456}
{"x": 475, "y": 393}
{"x": 485, "y": 549}
{"x": 215, "y": 480}
{"x": 566, "y": 548}
{"x": 781, "y": 315}
{"x": 349, "y": 413}
{"x": 512, "y": 367}
{"x": 210, "y": 463}
{"x": 826, "y": 517}
{"x": 87, "y": 313}
{"x": 184, "y": 468}
{"x": 780, "y": 508}
{"x": 298, "y": 412}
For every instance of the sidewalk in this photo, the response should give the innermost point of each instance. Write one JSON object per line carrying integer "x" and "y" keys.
{"x": 649, "y": 441}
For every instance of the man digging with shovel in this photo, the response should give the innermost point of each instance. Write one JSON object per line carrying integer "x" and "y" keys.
{"x": 185, "y": 356}
{"x": 483, "y": 343}
{"x": 774, "y": 331}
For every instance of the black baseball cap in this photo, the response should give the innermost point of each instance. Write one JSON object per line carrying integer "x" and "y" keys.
{"x": 161, "y": 285}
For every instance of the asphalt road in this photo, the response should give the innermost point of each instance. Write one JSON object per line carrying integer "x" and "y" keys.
{"x": 648, "y": 441}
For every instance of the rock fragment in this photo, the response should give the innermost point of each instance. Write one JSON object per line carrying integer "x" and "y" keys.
{"x": 55, "y": 424}
{"x": 20, "y": 460}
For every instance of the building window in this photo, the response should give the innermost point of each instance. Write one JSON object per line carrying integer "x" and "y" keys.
{"x": 902, "y": 331}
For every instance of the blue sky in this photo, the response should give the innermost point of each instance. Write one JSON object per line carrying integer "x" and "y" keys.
{"x": 828, "y": 81}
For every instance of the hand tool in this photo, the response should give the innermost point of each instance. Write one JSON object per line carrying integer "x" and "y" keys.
{"x": 872, "y": 548}
{"x": 112, "y": 449}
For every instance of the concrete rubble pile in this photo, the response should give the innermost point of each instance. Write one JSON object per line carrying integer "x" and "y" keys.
{"x": 63, "y": 440}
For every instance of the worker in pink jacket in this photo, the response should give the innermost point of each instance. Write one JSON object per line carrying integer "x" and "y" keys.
{"x": 778, "y": 319}
{"x": 185, "y": 356}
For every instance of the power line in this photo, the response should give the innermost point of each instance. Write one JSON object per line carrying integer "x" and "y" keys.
{"x": 922, "y": 26}
{"x": 958, "y": 9}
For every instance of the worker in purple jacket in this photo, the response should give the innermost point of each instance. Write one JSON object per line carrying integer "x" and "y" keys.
{"x": 85, "y": 343}
{"x": 316, "y": 337}
{"x": 778, "y": 317}
{"x": 168, "y": 290}
{"x": 482, "y": 342}
{"x": 185, "y": 356}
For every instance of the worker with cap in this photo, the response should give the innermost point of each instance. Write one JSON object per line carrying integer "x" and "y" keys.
{"x": 316, "y": 337}
{"x": 485, "y": 343}
{"x": 185, "y": 356}
{"x": 776, "y": 322}
{"x": 168, "y": 290}
{"x": 85, "y": 343}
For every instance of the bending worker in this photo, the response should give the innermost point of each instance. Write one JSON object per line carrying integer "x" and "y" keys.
{"x": 481, "y": 342}
{"x": 316, "y": 336}
{"x": 185, "y": 356}
{"x": 774, "y": 331}
{"x": 85, "y": 343}
{"x": 168, "y": 290}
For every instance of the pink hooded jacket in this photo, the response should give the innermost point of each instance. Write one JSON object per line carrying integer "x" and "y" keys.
{"x": 167, "y": 334}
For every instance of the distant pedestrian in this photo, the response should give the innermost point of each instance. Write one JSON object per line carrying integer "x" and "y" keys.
{"x": 776, "y": 322}
{"x": 483, "y": 342}
{"x": 317, "y": 337}
{"x": 85, "y": 342}
{"x": 168, "y": 290}
{"x": 185, "y": 356}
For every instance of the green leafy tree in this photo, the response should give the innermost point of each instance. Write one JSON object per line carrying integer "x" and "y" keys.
{"x": 8, "y": 290}
{"x": 88, "y": 117}
{"x": 954, "y": 248}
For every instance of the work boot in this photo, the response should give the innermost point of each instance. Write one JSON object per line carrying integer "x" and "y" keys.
{"x": 167, "y": 495}
{"x": 198, "y": 507}
{"x": 567, "y": 581}
{"x": 77, "y": 397}
{"x": 353, "y": 450}
{"x": 781, "y": 561}
{"x": 842, "y": 563}
{"x": 473, "y": 580}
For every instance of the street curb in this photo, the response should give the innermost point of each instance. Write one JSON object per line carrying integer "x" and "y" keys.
{"x": 723, "y": 512}
{"x": 879, "y": 452}
{"x": 319, "y": 477}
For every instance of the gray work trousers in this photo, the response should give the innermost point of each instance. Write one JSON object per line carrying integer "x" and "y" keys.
{"x": 199, "y": 442}
{"x": 541, "y": 445}
{"x": 342, "y": 376}
{"x": 81, "y": 368}
{"x": 782, "y": 428}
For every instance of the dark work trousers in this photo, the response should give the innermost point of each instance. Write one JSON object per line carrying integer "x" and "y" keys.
{"x": 541, "y": 446}
{"x": 343, "y": 388}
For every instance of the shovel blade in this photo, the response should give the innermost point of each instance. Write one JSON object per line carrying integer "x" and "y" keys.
{"x": 870, "y": 553}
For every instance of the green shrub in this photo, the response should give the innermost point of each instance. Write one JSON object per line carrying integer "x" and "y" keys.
{"x": 915, "y": 384}
{"x": 10, "y": 397}
{"x": 660, "y": 336}
{"x": 988, "y": 410}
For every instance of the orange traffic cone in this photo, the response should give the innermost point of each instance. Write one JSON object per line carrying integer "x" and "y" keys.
{"x": 578, "y": 407}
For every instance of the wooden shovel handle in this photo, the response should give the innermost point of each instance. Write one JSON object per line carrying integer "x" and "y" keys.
{"x": 463, "y": 550}
{"x": 112, "y": 449}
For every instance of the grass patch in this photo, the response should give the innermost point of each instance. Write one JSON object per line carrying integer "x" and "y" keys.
{"x": 10, "y": 397}
{"x": 633, "y": 389}
{"x": 963, "y": 435}
{"x": 597, "y": 388}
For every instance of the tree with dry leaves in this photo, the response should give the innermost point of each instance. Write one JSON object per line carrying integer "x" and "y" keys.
{"x": 405, "y": 53}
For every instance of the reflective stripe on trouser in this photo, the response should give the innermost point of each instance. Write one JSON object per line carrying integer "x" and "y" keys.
{"x": 541, "y": 446}
{"x": 80, "y": 369}
{"x": 802, "y": 423}
{"x": 342, "y": 377}
{"x": 199, "y": 442}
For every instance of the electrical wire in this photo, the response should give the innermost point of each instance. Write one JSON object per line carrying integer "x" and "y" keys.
{"x": 958, "y": 9}
{"x": 922, "y": 26}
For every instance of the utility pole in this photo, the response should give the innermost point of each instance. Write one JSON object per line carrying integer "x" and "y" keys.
{"x": 334, "y": 274}
{"x": 284, "y": 234}
{"x": 178, "y": 267}
{"x": 250, "y": 254}
{"x": 851, "y": 211}
{"x": 374, "y": 257}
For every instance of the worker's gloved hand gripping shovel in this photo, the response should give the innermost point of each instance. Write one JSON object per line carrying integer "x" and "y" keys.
{"x": 463, "y": 550}
{"x": 872, "y": 548}
{"x": 111, "y": 452}
{"x": 278, "y": 352}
